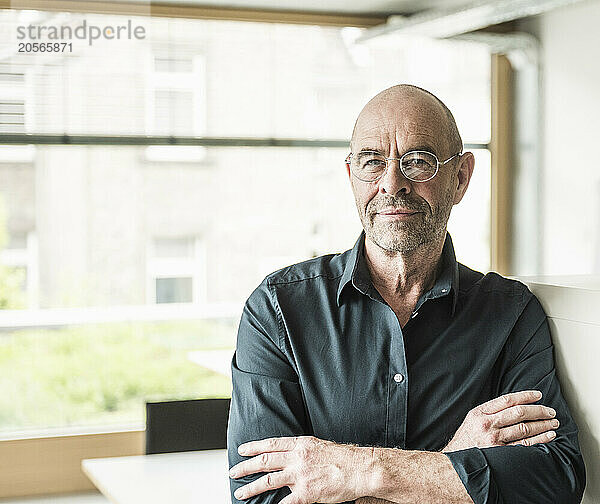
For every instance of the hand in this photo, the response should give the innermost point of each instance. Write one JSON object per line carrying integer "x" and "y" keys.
{"x": 506, "y": 420}
{"x": 315, "y": 470}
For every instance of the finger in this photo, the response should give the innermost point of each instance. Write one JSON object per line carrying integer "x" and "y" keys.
{"x": 522, "y": 413}
{"x": 269, "y": 481}
{"x": 507, "y": 400}
{"x": 526, "y": 430}
{"x": 268, "y": 461}
{"x": 267, "y": 445}
{"x": 540, "y": 438}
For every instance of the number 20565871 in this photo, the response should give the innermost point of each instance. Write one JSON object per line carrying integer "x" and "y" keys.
{"x": 45, "y": 47}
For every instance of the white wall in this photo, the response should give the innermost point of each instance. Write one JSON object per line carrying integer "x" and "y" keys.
{"x": 570, "y": 183}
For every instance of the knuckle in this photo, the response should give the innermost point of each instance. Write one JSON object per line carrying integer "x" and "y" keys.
{"x": 264, "y": 459}
{"x": 486, "y": 423}
{"x": 525, "y": 442}
{"x": 303, "y": 453}
{"x": 519, "y": 411}
{"x": 524, "y": 429}
{"x": 269, "y": 480}
{"x": 506, "y": 399}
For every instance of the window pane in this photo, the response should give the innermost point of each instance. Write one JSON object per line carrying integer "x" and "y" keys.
{"x": 117, "y": 236}
{"x": 174, "y": 290}
{"x": 17, "y": 240}
{"x": 469, "y": 223}
{"x": 173, "y": 112}
{"x": 219, "y": 78}
{"x": 102, "y": 374}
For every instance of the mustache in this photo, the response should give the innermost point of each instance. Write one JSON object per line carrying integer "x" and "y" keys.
{"x": 396, "y": 203}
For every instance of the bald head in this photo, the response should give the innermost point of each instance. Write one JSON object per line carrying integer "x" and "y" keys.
{"x": 409, "y": 106}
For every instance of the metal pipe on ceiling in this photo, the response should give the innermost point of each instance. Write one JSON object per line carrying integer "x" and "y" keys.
{"x": 450, "y": 22}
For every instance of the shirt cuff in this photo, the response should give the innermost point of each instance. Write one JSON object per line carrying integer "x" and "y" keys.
{"x": 474, "y": 471}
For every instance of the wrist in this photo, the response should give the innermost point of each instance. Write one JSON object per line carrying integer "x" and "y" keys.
{"x": 372, "y": 473}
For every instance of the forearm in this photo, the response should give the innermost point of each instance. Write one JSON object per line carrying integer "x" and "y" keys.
{"x": 414, "y": 477}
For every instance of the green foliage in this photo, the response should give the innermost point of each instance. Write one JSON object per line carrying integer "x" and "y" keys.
{"x": 102, "y": 374}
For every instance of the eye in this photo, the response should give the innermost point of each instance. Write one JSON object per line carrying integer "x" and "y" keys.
{"x": 419, "y": 161}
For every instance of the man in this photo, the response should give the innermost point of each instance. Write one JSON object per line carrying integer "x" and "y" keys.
{"x": 391, "y": 372}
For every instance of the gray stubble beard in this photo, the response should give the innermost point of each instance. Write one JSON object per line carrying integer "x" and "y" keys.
{"x": 406, "y": 236}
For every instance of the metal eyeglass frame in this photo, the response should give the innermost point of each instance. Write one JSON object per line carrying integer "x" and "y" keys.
{"x": 437, "y": 168}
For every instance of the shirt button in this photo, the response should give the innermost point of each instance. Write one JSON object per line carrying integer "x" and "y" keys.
{"x": 444, "y": 290}
{"x": 398, "y": 377}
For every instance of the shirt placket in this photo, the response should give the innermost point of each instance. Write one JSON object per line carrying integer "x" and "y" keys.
{"x": 397, "y": 381}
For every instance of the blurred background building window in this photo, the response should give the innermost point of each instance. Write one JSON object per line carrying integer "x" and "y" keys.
{"x": 131, "y": 263}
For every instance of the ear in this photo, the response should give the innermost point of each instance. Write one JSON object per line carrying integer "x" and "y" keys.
{"x": 466, "y": 164}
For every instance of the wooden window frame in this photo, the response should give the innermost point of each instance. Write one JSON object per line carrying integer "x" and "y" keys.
{"x": 501, "y": 151}
{"x": 173, "y": 10}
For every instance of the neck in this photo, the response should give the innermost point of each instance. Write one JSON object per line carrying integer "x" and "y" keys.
{"x": 404, "y": 274}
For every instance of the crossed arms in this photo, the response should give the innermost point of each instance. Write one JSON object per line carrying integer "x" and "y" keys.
{"x": 498, "y": 454}
{"x": 322, "y": 471}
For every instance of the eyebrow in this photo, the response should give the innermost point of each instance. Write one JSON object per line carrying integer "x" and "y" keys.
{"x": 426, "y": 148}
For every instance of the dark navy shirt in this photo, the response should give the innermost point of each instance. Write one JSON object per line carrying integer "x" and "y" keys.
{"x": 319, "y": 352}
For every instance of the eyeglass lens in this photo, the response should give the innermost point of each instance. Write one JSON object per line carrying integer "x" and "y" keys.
{"x": 415, "y": 166}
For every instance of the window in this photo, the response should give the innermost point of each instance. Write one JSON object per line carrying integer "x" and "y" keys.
{"x": 174, "y": 290}
{"x": 176, "y": 270}
{"x": 12, "y": 98}
{"x": 175, "y": 102}
{"x": 149, "y": 251}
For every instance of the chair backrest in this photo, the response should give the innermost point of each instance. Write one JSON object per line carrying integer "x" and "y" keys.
{"x": 198, "y": 424}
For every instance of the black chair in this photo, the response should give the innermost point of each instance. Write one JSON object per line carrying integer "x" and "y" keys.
{"x": 198, "y": 424}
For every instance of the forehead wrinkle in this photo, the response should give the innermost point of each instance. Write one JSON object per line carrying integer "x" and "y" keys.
{"x": 398, "y": 138}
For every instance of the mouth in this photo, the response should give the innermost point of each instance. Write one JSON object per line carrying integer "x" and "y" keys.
{"x": 393, "y": 212}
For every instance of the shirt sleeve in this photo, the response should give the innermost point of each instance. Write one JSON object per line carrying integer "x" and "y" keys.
{"x": 539, "y": 474}
{"x": 266, "y": 399}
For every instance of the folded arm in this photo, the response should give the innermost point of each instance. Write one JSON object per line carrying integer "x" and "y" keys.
{"x": 267, "y": 402}
{"x": 320, "y": 471}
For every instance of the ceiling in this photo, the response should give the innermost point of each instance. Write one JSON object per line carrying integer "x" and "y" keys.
{"x": 338, "y": 6}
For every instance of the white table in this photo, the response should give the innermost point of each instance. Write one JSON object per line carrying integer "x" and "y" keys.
{"x": 183, "y": 478}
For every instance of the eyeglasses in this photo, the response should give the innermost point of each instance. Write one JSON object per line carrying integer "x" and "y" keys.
{"x": 418, "y": 166}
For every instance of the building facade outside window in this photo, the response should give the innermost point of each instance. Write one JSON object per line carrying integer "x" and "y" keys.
{"x": 152, "y": 250}
{"x": 176, "y": 270}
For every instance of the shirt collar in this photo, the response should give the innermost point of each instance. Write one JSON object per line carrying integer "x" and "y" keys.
{"x": 357, "y": 273}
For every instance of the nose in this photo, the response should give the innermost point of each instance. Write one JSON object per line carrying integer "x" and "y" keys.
{"x": 393, "y": 180}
